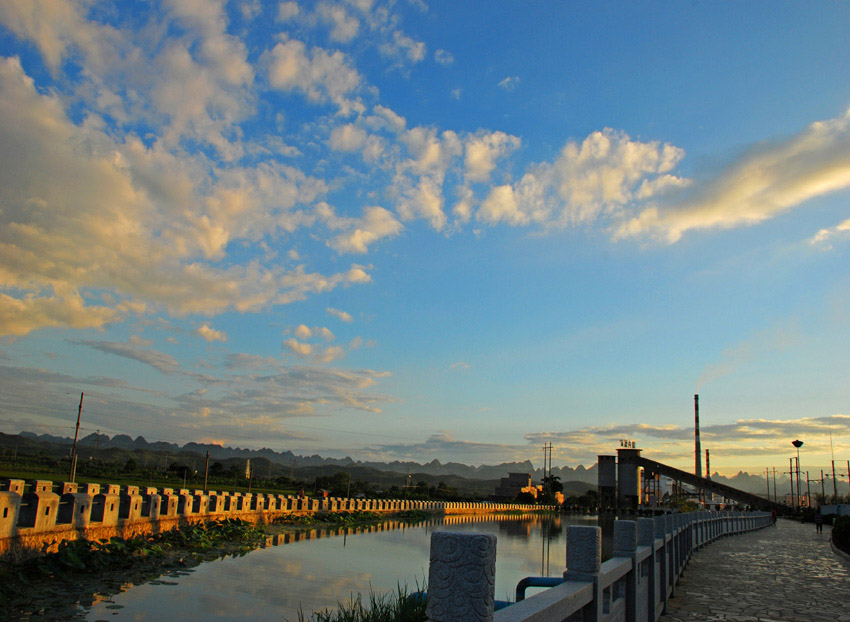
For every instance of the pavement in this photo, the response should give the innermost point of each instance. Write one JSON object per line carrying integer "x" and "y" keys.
{"x": 785, "y": 573}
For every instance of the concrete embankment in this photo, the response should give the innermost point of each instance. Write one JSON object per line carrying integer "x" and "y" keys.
{"x": 40, "y": 513}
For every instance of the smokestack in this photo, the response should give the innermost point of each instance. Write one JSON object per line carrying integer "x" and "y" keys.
{"x": 707, "y": 466}
{"x": 697, "y": 449}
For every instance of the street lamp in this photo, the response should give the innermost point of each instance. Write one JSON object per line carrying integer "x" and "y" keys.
{"x": 798, "y": 444}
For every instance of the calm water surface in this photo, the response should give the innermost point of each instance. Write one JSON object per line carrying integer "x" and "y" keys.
{"x": 314, "y": 574}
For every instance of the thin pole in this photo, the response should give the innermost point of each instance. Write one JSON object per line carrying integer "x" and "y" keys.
{"x": 834, "y": 484}
{"x": 73, "y": 473}
{"x": 822, "y": 488}
{"x": 206, "y": 471}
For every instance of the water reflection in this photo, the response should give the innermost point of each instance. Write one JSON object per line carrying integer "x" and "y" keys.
{"x": 316, "y": 569}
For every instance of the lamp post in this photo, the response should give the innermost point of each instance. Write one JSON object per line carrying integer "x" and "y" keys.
{"x": 798, "y": 444}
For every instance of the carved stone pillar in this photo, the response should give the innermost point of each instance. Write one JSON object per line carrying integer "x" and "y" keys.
{"x": 462, "y": 577}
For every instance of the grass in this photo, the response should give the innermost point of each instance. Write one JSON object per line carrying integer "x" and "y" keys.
{"x": 391, "y": 607}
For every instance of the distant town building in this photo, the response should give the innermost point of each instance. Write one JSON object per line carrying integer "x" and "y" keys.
{"x": 512, "y": 485}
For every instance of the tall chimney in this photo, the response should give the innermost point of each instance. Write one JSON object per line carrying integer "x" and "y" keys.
{"x": 697, "y": 449}
{"x": 707, "y": 466}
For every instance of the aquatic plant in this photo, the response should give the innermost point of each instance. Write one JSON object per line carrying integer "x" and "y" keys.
{"x": 390, "y": 607}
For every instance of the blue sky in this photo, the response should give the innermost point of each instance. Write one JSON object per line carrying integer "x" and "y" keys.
{"x": 409, "y": 230}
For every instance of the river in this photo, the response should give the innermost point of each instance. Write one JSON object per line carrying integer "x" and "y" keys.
{"x": 325, "y": 568}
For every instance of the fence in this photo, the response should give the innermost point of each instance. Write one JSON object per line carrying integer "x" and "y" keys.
{"x": 32, "y": 514}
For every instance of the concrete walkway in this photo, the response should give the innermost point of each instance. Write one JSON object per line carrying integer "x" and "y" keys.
{"x": 788, "y": 573}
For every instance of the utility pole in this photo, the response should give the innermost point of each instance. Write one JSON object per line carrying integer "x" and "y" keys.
{"x": 822, "y": 488}
{"x": 808, "y": 491}
{"x": 775, "y": 497}
{"x": 791, "y": 472}
{"x": 767, "y": 481}
{"x": 697, "y": 452}
{"x": 73, "y": 473}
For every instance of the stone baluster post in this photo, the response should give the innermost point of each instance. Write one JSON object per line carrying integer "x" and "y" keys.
{"x": 663, "y": 557}
{"x": 625, "y": 545}
{"x": 584, "y": 558}
{"x": 462, "y": 577}
{"x": 646, "y": 537}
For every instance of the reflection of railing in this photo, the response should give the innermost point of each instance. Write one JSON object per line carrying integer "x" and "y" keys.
{"x": 650, "y": 555}
{"x": 392, "y": 525}
{"x": 32, "y": 515}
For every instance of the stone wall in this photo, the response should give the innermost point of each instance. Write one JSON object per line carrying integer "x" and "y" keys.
{"x": 36, "y": 513}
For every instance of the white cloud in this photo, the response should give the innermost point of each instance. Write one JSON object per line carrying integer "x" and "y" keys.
{"x": 297, "y": 348}
{"x": 509, "y": 83}
{"x": 344, "y": 27}
{"x": 824, "y": 236}
{"x": 78, "y": 200}
{"x": 443, "y": 57}
{"x": 602, "y": 175}
{"x": 287, "y": 10}
{"x": 403, "y": 48}
{"x": 321, "y": 75}
{"x": 342, "y": 315}
{"x": 483, "y": 150}
{"x": 394, "y": 121}
{"x": 330, "y": 354}
{"x": 376, "y": 223}
{"x": 425, "y": 200}
{"x": 303, "y": 332}
{"x": 165, "y": 363}
{"x": 210, "y": 334}
{"x": 20, "y": 316}
{"x": 455, "y": 93}
{"x": 769, "y": 180}
{"x": 250, "y": 9}
{"x": 347, "y": 137}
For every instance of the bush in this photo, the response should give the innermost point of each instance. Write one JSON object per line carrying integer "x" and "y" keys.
{"x": 841, "y": 533}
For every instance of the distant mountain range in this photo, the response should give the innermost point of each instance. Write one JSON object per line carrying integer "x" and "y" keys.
{"x": 287, "y": 458}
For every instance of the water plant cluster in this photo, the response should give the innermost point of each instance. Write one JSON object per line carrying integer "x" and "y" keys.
{"x": 395, "y": 606}
{"x": 354, "y": 517}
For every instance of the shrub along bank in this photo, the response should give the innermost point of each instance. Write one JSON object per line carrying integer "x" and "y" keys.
{"x": 841, "y": 533}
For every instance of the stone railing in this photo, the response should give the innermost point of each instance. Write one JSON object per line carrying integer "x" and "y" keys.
{"x": 650, "y": 555}
{"x": 40, "y": 512}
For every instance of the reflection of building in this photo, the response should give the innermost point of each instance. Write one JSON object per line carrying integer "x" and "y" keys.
{"x": 512, "y": 485}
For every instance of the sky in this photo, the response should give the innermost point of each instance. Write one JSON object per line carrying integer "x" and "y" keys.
{"x": 429, "y": 230}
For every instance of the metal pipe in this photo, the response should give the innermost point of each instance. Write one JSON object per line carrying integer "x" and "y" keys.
{"x": 528, "y": 582}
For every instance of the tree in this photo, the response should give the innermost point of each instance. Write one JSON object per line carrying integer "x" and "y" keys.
{"x": 526, "y": 498}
